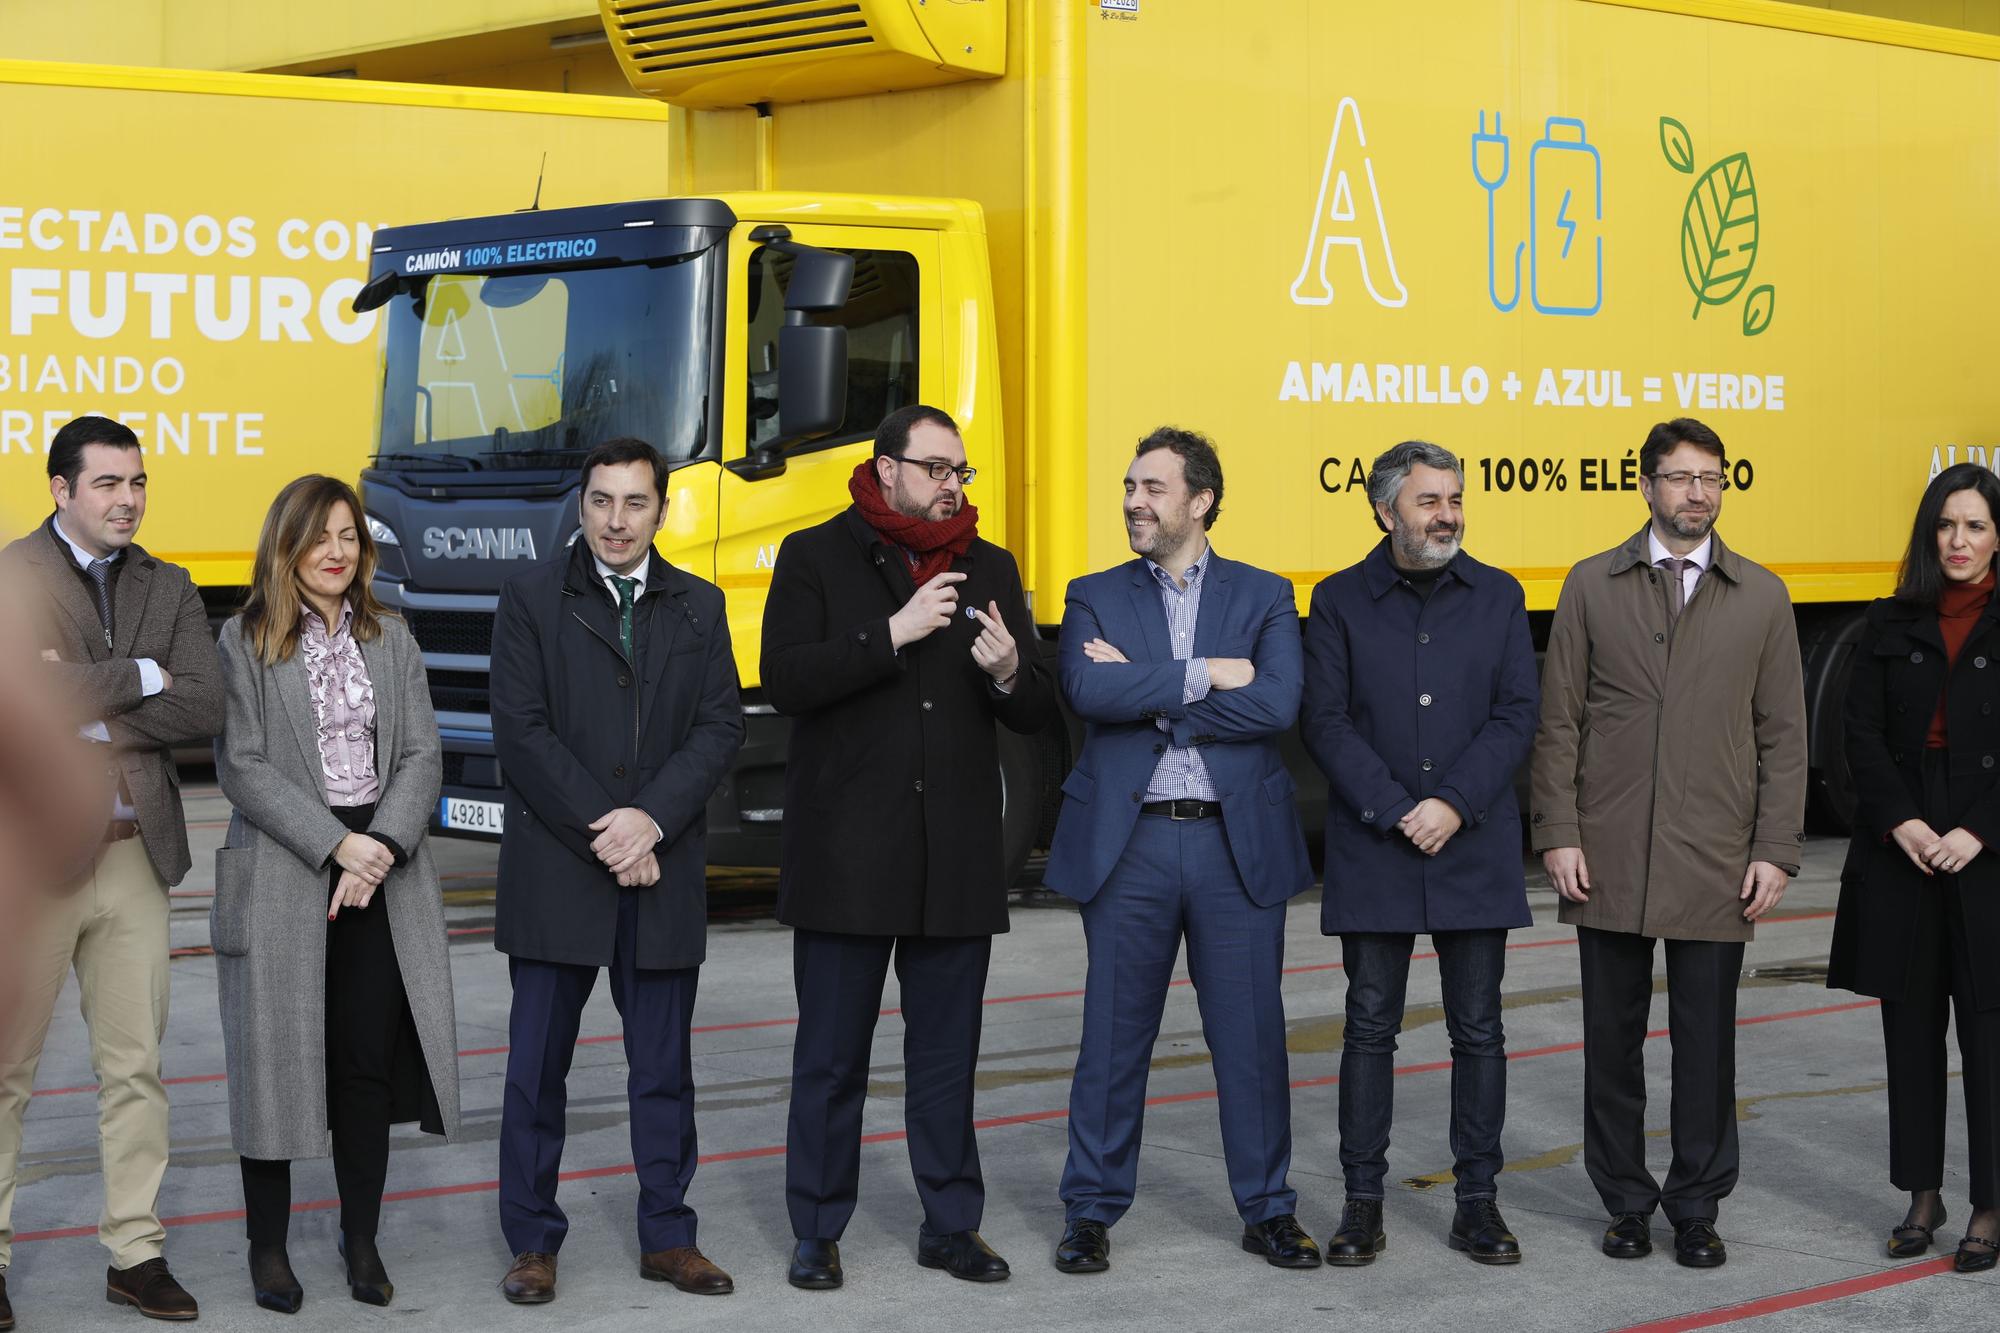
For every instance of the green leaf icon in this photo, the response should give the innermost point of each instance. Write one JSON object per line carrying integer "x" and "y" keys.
{"x": 1719, "y": 232}
{"x": 1676, "y": 144}
{"x": 1757, "y": 310}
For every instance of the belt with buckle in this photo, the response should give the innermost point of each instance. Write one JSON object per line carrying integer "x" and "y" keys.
{"x": 118, "y": 830}
{"x": 1183, "y": 809}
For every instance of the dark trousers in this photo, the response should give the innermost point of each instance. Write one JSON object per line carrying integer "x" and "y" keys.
{"x": 1701, "y": 1024}
{"x": 1913, "y": 1034}
{"x": 656, "y": 1006}
{"x": 1470, "y": 965}
{"x": 1177, "y": 878}
{"x": 839, "y": 981}
{"x": 368, "y": 1025}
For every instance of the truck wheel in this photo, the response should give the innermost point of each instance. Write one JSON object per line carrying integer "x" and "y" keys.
{"x": 1021, "y": 791}
{"x": 1829, "y": 664}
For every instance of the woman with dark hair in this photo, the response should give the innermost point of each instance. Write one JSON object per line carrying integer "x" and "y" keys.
{"x": 328, "y": 923}
{"x": 1919, "y": 919}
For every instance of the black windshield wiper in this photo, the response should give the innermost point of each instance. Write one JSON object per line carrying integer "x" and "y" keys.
{"x": 449, "y": 462}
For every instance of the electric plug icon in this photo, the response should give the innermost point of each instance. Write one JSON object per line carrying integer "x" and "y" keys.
{"x": 1490, "y": 178}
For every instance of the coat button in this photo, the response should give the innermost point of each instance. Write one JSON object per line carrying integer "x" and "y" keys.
{"x": 1538, "y": 819}
{"x": 1917, "y": 656}
{"x": 1986, "y": 761}
{"x": 1479, "y": 816}
{"x": 862, "y": 635}
{"x": 1368, "y": 816}
{"x": 1423, "y": 638}
{"x": 1897, "y": 757}
{"x": 1979, "y": 662}
{"x": 618, "y": 772}
{"x": 1424, "y": 700}
{"x": 1160, "y": 748}
{"x": 1659, "y": 638}
{"x": 919, "y": 784}
{"x": 624, "y": 680}
{"x": 1138, "y": 798}
{"x": 1902, "y": 708}
{"x": 1985, "y": 709}
{"x": 927, "y": 705}
{"x": 1427, "y": 765}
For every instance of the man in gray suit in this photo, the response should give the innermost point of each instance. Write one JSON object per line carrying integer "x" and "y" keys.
{"x": 124, "y": 635}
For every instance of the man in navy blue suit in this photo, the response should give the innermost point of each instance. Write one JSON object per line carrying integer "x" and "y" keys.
{"x": 1178, "y": 821}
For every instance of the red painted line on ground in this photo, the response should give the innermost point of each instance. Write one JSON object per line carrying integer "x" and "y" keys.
{"x": 897, "y": 1135}
{"x": 1795, "y": 1300}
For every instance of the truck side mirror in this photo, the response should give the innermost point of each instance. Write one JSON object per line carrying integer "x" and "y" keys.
{"x": 812, "y": 380}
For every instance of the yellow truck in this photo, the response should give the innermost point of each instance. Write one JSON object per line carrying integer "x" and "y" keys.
{"x": 181, "y": 250}
{"x": 1524, "y": 228}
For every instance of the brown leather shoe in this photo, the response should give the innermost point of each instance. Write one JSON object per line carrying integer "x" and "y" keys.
{"x": 152, "y": 1289}
{"x": 6, "y": 1306}
{"x": 531, "y": 1280}
{"x": 688, "y": 1269}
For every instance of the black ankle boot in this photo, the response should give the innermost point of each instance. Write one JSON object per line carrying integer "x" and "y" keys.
{"x": 271, "y": 1277}
{"x": 367, "y": 1281}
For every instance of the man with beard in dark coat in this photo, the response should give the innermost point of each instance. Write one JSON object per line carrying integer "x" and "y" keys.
{"x": 895, "y": 637}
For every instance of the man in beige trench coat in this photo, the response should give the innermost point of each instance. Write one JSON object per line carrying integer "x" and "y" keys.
{"x": 1668, "y": 803}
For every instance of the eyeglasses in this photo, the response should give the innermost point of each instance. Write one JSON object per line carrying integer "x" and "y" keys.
{"x": 939, "y": 469}
{"x": 1680, "y": 481}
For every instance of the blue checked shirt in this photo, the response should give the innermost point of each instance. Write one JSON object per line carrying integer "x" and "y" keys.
{"x": 1181, "y": 774}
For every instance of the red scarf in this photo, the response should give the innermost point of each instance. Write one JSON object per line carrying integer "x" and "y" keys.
{"x": 935, "y": 544}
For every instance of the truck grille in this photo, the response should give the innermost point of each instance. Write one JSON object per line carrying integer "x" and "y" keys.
{"x": 459, "y": 691}
{"x": 452, "y": 631}
{"x": 660, "y": 36}
{"x": 454, "y": 769}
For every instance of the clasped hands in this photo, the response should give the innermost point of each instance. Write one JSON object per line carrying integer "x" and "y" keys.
{"x": 1932, "y": 853}
{"x": 624, "y": 843}
{"x": 364, "y": 863}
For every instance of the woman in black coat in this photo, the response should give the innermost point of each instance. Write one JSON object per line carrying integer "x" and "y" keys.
{"x": 1919, "y": 919}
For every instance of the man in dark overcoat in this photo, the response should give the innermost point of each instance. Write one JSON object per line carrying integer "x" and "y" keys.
{"x": 1420, "y": 699}
{"x": 615, "y": 714}
{"x": 895, "y": 637}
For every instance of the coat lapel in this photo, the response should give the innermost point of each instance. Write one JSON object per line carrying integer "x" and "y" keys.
{"x": 375, "y": 658}
{"x": 295, "y": 692}
{"x": 128, "y": 600}
{"x": 1151, "y": 614}
{"x": 1212, "y": 615}
{"x": 67, "y": 590}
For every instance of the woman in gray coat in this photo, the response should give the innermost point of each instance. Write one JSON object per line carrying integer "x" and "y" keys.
{"x": 328, "y": 923}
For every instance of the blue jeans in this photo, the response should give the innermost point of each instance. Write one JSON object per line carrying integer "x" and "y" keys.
{"x": 1471, "y": 963}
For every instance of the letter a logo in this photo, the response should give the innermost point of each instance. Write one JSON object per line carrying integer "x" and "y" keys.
{"x": 1336, "y": 220}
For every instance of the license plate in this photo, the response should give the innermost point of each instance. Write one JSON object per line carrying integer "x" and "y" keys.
{"x": 471, "y": 816}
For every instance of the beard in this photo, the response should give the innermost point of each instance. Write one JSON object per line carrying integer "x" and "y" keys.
{"x": 1157, "y": 534}
{"x": 1429, "y": 548}
{"x": 1689, "y": 524}
{"x": 939, "y": 508}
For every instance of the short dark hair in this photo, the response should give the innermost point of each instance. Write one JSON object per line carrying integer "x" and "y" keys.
{"x": 1921, "y": 581}
{"x": 1668, "y": 436}
{"x": 66, "y": 450}
{"x": 893, "y": 435}
{"x": 623, "y": 450}
{"x": 1199, "y": 464}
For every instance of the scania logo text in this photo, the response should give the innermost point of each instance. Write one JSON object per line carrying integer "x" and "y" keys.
{"x": 479, "y": 544}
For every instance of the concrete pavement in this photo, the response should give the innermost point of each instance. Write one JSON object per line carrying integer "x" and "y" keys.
{"x": 1805, "y": 1227}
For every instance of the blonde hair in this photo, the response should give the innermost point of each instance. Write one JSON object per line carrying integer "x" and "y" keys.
{"x": 272, "y": 615}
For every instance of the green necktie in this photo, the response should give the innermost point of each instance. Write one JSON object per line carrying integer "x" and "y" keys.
{"x": 625, "y": 587}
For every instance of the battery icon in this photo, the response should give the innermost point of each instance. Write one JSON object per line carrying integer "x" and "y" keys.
{"x": 1566, "y": 220}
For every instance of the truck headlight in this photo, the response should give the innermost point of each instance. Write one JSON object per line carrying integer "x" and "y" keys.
{"x": 383, "y": 534}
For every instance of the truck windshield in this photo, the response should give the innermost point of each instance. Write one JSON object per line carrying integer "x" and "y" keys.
{"x": 527, "y": 369}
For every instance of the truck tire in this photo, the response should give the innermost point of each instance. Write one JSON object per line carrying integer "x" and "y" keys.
{"x": 1828, "y": 649}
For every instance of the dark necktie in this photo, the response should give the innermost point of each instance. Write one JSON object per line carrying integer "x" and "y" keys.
{"x": 1676, "y": 585}
{"x": 625, "y": 587}
{"x": 100, "y": 574}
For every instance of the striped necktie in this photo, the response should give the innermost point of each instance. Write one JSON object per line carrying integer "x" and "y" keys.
{"x": 100, "y": 574}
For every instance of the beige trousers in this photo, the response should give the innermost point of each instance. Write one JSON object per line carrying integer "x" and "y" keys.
{"x": 113, "y": 930}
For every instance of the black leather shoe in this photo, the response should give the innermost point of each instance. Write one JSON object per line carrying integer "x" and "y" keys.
{"x": 1085, "y": 1247}
{"x": 1630, "y": 1236}
{"x": 963, "y": 1255}
{"x": 1360, "y": 1237}
{"x": 815, "y": 1265}
{"x": 1478, "y": 1231}
{"x": 1975, "y": 1254}
{"x": 271, "y": 1277}
{"x": 6, "y": 1306}
{"x": 1697, "y": 1246}
{"x": 367, "y": 1281}
{"x": 1282, "y": 1242}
